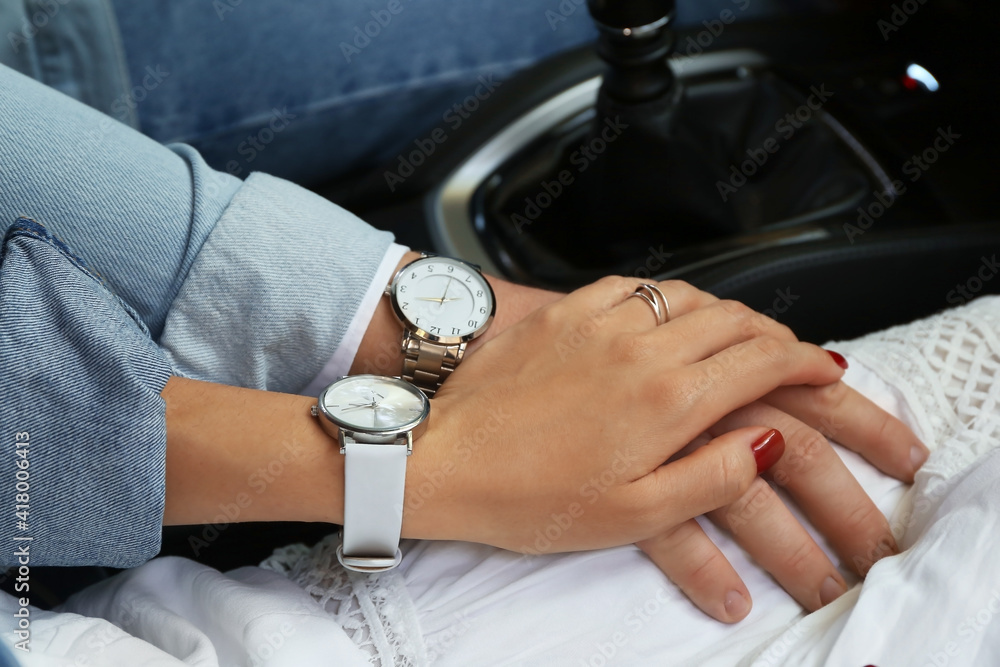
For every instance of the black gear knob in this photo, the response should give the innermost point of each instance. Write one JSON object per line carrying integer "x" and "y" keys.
{"x": 622, "y": 14}
{"x": 635, "y": 40}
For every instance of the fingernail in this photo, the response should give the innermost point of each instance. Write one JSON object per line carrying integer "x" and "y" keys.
{"x": 839, "y": 359}
{"x": 768, "y": 449}
{"x": 918, "y": 455}
{"x": 737, "y": 606}
{"x": 830, "y": 591}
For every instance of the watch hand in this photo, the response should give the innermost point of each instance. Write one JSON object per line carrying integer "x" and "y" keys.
{"x": 357, "y": 407}
{"x": 429, "y": 298}
{"x": 446, "y": 286}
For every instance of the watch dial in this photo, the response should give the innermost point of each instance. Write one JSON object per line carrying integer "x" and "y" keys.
{"x": 374, "y": 403}
{"x": 444, "y": 297}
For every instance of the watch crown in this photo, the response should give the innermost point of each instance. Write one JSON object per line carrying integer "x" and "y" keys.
{"x": 314, "y": 410}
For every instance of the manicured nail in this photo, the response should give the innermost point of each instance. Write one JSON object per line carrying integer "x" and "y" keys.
{"x": 830, "y": 591}
{"x": 737, "y": 606}
{"x": 839, "y": 358}
{"x": 768, "y": 449}
{"x": 918, "y": 455}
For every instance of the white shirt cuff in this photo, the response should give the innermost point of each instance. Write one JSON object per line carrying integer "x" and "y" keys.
{"x": 340, "y": 363}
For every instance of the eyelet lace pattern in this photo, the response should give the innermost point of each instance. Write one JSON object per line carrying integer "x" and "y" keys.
{"x": 946, "y": 367}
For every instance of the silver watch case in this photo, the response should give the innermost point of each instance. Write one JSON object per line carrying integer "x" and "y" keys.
{"x": 416, "y": 332}
{"x": 387, "y": 436}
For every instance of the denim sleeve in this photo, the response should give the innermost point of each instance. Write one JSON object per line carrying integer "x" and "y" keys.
{"x": 274, "y": 289}
{"x": 80, "y": 380}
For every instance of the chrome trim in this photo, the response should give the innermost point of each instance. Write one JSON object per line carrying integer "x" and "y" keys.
{"x": 448, "y": 208}
{"x": 637, "y": 31}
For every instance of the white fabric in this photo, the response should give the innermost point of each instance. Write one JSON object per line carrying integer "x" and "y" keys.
{"x": 341, "y": 360}
{"x": 464, "y": 604}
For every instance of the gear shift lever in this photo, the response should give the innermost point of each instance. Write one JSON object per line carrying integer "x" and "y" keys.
{"x": 635, "y": 41}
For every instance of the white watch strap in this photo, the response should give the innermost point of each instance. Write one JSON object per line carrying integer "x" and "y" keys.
{"x": 374, "y": 478}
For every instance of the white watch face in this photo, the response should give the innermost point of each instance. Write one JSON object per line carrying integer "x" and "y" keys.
{"x": 446, "y": 298}
{"x": 372, "y": 403}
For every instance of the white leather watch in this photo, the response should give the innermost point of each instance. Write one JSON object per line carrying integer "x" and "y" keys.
{"x": 442, "y": 303}
{"x": 375, "y": 419}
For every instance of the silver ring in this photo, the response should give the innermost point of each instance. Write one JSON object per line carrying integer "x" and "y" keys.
{"x": 658, "y": 296}
{"x": 653, "y": 296}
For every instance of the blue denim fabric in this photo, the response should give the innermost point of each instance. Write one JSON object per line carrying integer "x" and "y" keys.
{"x": 137, "y": 211}
{"x": 72, "y": 45}
{"x": 273, "y": 290}
{"x": 250, "y": 283}
{"x": 80, "y": 375}
{"x": 236, "y": 61}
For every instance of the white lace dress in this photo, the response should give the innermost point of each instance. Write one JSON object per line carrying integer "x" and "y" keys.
{"x": 937, "y": 603}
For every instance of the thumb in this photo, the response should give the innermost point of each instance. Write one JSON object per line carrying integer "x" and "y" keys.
{"x": 716, "y": 474}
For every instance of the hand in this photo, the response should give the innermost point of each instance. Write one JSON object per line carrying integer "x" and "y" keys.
{"x": 553, "y": 437}
{"x": 811, "y": 472}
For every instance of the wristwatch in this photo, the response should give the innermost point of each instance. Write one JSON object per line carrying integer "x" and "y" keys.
{"x": 442, "y": 303}
{"x": 375, "y": 419}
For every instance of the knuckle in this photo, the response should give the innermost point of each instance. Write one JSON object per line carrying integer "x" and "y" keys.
{"x": 865, "y": 514}
{"x": 805, "y": 455}
{"x": 757, "y": 497}
{"x": 731, "y": 480}
{"x": 707, "y": 569}
{"x": 619, "y": 284}
{"x": 832, "y": 396}
{"x": 630, "y": 348}
{"x": 799, "y": 559}
{"x": 676, "y": 391}
{"x": 772, "y": 350}
{"x": 735, "y": 309}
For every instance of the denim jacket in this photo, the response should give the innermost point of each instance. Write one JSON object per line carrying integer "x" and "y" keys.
{"x": 139, "y": 262}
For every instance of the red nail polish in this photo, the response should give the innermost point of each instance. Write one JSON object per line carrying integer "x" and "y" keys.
{"x": 768, "y": 449}
{"x": 839, "y": 358}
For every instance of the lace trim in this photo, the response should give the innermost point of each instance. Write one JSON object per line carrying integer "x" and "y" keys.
{"x": 946, "y": 368}
{"x": 375, "y": 610}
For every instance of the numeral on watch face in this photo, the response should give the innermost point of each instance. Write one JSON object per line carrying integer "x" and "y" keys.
{"x": 444, "y": 296}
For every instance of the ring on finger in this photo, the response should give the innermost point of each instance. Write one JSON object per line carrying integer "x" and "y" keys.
{"x": 653, "y": 296}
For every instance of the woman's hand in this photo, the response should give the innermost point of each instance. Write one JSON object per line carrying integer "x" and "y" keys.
{"x": 553, "y": 438}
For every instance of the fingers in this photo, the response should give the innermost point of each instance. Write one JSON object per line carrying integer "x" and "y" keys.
{"x": 711, "y": 329}
{"x": 823, "y": 487}
{"x": 693, "y": 562}
{"x": 841, "y": 413}
{"x": 762, "y": 524}
{"x": 713, "y": 476}
{"x": 743, "y": 373}
{"x": 634, "y": 314}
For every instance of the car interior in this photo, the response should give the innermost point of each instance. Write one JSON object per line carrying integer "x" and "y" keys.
{"x": 831, "y": 170}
